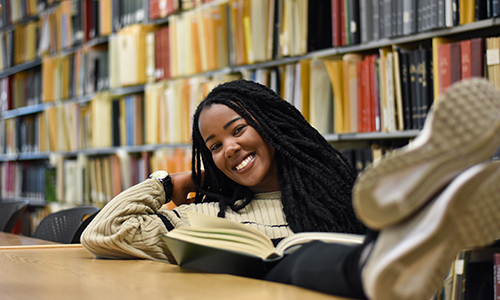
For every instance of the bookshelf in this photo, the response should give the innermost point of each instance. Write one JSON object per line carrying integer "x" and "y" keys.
{"x": 93, "y": 58}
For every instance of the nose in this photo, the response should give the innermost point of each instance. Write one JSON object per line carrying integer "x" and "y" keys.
{"x": 231, "y": 148}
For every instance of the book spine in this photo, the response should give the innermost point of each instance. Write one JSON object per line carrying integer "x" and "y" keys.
{"x": 465, "y": 59}
{"x": 354, "y": 22}
{"x": 375, "y": 20}
{"x": 477, "y": 57}
{"x": 455, "y": 58}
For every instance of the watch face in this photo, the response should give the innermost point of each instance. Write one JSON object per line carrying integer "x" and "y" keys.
{"x": 159, "y": 174}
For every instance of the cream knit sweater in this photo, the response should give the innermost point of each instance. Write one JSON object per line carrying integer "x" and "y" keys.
{"x": 130, "y": 226}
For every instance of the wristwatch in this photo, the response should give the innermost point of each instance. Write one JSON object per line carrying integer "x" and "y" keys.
{"x": 166, "y": 181}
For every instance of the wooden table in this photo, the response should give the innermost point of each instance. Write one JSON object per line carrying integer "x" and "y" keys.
{"x": 10, "y": 239}
{"x": 70, "y": 272}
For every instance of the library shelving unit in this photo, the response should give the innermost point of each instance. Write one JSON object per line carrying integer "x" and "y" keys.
{"x": 96, "y": 94}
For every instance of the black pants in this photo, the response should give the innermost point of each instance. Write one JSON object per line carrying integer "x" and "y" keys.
{"x": 325, "y": 267}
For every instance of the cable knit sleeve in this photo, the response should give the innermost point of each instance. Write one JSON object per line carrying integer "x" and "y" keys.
{"x": 129, "y": 227}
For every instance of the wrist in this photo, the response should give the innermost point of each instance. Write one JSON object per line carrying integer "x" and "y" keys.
{"x": 166, "y": 180}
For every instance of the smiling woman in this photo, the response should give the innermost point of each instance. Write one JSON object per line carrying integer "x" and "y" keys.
{"x": 255, "y": 160}
{"x": 243, "y": 122}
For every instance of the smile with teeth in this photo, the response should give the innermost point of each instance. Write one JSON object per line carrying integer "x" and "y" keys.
{"x": 245, "y": 162}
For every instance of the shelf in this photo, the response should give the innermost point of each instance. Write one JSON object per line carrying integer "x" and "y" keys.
{"x": 34, "y": 156}
{"x": 21, "y": 67}
{"x": 33, "y": 201}
{"x": 349, "y": 137}
{"x": 26, "y": 110}
{"x": 9, "y": 157}
{"x": 127, "y": 149}
{"x": 127, "y": 90}
{"x": 25, "y": 156}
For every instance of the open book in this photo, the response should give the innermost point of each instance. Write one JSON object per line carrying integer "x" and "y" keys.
{"x": 219, "y": 245}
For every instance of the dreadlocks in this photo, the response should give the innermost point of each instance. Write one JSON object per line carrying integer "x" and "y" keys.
{"x": 315, "y": 179}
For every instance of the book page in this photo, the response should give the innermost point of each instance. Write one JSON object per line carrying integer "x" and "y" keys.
{"x": 229, "y": 239}
{"x": 203, "y": 221}
{"x": 327, "y": 237}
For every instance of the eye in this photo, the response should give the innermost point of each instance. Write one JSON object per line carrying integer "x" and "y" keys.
{"x": 238, "y": 129}
{"x": 214, "y": 147}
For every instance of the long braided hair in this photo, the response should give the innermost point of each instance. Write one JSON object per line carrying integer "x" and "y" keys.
{"x": 315, "y": 179}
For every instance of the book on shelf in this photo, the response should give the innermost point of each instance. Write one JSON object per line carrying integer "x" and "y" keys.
{"x": 350, "y": 89}
{"x": 336, "y": 73}
{"x": 366, "y": 20}
{"x": 219, "y": 245}
{"x": 321, "y": 110}
{"x": 477, "y": 57}
{"x": 493, "y": 59}
{"x": 319, "y": 28}
{"x": 398, "y": 87}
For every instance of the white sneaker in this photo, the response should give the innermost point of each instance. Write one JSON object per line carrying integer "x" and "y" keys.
{"x": 410, "y": 260}
{"x": 462, "y": 130}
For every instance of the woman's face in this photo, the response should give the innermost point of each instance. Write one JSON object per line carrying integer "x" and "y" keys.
{"x": 238, "y": 150}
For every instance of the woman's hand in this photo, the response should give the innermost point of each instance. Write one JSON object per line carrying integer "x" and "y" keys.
{"x": 182, "y": 186}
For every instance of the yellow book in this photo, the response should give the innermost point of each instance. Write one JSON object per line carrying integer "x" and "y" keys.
{"x": 101, "y": 120}
{"x": 132, "y": 57}
{"x": 174, "y": 66}
{"x": 107, "y": 179}
{"x": 397, "y": 89}
{"x": 493, "y": 60}
{"x": 114, "y": 62}
{"x": 48, "y": 66}
{"x": 151, "y": 111}
{"x": 209, "y": 39}
{"x": 19, "y": 45}
{"x": 150, "y": 57}
{"x": 30, "y": 40}
{"x": 199, "y": 42}
{"x": 93, "y": 181}
{"x": 177, "y": 100}
{"x": 64, "y": 21}
{"x": 321, "y": 102}
{"x": 99, "y": 183}
{"x": 51, "y": 114}
{"x": 286, "y": 29}
{"x": 105, "y": 17}
{"x": 72, "y": 111}
{"x": 85, "y": 126}
{"x": 299, "y": 24}
{"x": 65, "y": 76}
{"x": 305, "y": 82}
{"x": 336, "y": 73}
{"x": 63, "y": 129}
{"x": 220, "y": 23}
{"x": 32, "y": 6}
{"x": 467, "y": 9}
{"x": 351, "y": 89}
{"x": 258, "y": 20}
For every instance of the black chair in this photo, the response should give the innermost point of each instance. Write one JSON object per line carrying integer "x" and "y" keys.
{"x": 63, "y": 226}
{"x": 81, "y": 228}
{"x": 10, "y": 211}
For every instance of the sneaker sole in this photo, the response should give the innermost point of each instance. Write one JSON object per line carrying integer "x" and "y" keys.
{"x": 411, "y": 260}
{"x": 457, "y": 135}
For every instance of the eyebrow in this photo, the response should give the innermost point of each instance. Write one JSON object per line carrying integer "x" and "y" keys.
{"x": 225, "y": 127}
